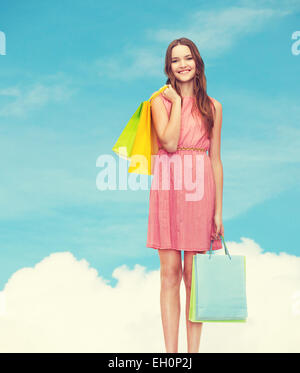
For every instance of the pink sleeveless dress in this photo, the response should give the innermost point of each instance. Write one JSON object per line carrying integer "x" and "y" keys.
{"x": 181, "y": 208}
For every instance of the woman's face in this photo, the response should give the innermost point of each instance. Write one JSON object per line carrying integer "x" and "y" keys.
{"x": 182, "y": 60}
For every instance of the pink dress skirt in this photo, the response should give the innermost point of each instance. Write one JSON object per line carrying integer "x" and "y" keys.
{"x": 182, "y": 193}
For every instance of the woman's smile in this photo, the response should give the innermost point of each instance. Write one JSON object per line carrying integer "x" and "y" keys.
{"x": 185, "y": 71}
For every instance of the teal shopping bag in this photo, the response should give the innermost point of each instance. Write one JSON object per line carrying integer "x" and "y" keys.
{"x": 218, "y": 289}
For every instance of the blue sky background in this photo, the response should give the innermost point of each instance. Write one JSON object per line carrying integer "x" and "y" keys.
{"x": 73, "y": 74}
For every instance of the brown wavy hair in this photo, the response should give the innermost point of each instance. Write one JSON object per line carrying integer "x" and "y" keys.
{"x": 204, "y": 104}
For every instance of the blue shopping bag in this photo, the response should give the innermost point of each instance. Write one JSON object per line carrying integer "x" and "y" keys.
{"x": 218, "y": 289}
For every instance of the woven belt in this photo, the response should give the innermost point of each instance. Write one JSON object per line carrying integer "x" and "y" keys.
{"x": 184, "y": 148}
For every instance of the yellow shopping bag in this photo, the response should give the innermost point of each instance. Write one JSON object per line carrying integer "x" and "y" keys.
{"x": 138, "y": 140}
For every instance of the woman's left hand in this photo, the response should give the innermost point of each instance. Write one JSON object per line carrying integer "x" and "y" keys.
{"x": 219, "y": 228}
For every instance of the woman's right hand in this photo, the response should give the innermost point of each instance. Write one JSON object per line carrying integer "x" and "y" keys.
{"x": 170, "y": 94}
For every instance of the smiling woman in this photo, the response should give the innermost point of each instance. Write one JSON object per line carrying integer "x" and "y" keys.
{"x": 188, "y": 124}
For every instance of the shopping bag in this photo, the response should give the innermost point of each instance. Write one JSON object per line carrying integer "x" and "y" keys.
{"x": 138, "y": 140}
{"x": 218, "y": 288}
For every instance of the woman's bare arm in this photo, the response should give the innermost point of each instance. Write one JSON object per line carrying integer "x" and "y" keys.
{"x": 168, "y": 130}
{"x": 214, "y": 154}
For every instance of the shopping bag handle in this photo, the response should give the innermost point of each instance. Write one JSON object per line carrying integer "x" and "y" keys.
{"x": 155, "y": 94}
{"x": 225, "y": 247}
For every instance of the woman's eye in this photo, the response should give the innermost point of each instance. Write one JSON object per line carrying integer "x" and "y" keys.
{"x": 189, "y": 58}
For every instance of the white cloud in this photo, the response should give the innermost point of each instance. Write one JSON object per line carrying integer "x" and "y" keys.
{"x": 135, "y": 63}
{"x": 64, "y": 305}
{"x": 10, "y": 91}
{"x": 35, "y": 96}
{"x": 216, "y": 31}
{"x": 213, "y": 31}
{"x": 264, "y": 159}
{"x": 287, "y": 5}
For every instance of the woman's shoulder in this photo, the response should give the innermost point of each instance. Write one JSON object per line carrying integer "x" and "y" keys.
{"x": 160, "y": 97}
{"x": 216, "y": 103}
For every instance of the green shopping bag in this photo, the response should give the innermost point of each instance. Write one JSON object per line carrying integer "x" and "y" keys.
{"x": 138, "y": 141}
{"x": 218, "y": 288}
